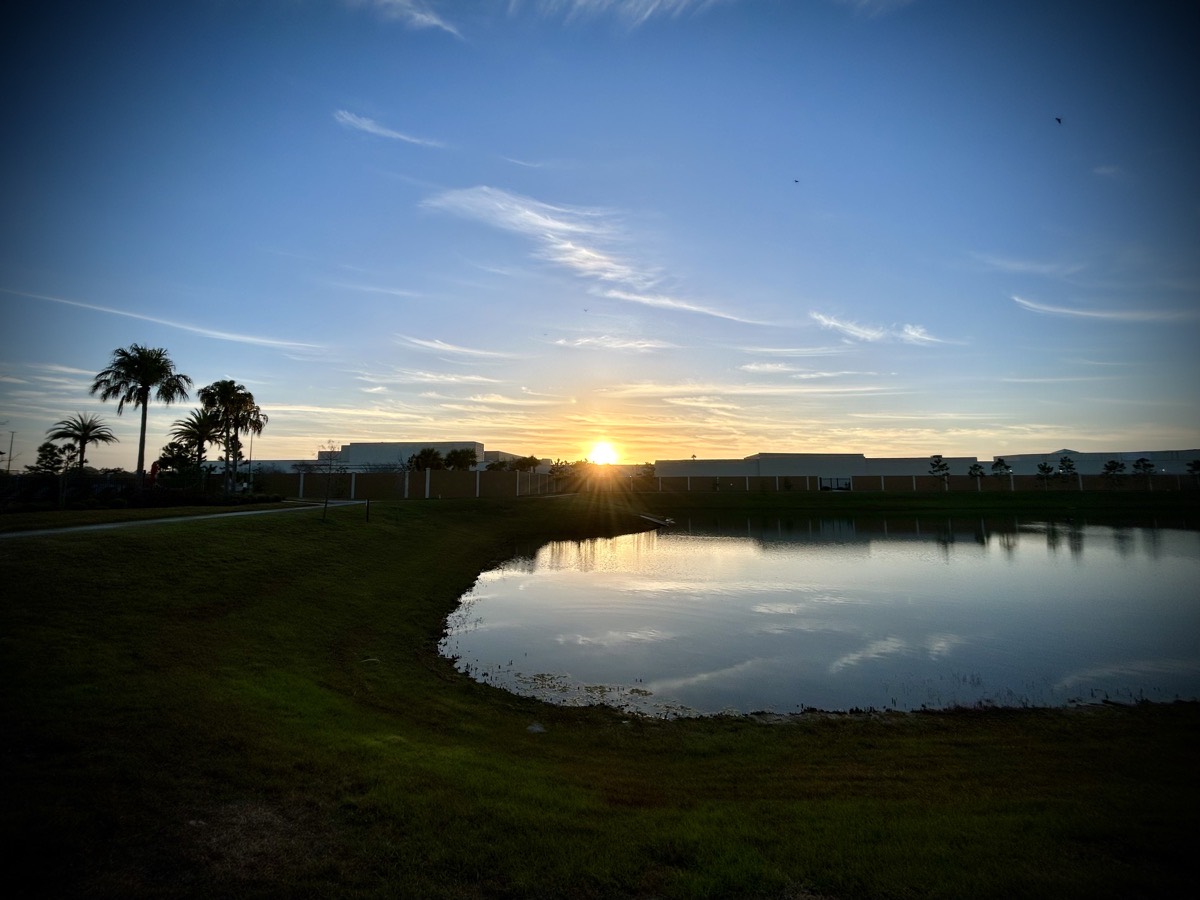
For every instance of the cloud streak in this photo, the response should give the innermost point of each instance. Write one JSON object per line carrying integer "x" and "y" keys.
{"x": 182, "y": 326}
{"x": 611, "y": 342}
{"x": 440, "y": 346}
{"x": 1109, "y": 315}
{"x": 908, "y": 334}
{"x": 633, "y": 12}
{"x": 412, "y": 13}
{"x": 1028, "y": 266}
{"x": 370, "y": 126}
{"x": 573, "y": 238}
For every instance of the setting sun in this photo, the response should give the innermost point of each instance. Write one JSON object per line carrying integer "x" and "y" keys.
{"x": 603, "y": 453}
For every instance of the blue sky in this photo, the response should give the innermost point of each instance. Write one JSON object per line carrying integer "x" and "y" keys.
{"x": 710, "y": 227}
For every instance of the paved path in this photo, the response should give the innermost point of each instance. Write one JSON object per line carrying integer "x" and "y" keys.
{"x": 42, "y": 532}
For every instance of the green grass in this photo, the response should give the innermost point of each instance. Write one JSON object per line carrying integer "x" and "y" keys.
{"x": 255, "y": 706}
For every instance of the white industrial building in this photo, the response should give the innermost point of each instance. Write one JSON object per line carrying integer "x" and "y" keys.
{"x": 850, "y": 465}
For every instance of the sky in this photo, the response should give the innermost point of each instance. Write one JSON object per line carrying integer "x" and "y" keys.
{"x": 683, "y": 227}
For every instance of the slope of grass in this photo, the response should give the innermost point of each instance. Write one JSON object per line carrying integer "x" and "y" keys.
{"x": 255, "y": 705}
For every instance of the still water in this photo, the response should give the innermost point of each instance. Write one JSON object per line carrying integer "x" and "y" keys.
{"x": 786, "y": 615}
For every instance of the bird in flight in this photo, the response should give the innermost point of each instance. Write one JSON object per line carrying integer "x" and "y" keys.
{"x": 1058, "y": 119}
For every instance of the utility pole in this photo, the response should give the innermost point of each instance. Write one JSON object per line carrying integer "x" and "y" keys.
{"x": 8, "y": 464}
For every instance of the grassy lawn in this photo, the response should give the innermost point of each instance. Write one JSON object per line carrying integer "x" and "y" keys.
{"x": 255, "y": 706}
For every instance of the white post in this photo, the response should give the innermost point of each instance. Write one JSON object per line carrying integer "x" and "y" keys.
{"x": 301, "y": 485}
{"x": 914, "y": 478}
{"x": 882, "y": 489}
{"x": 747, "y": 484}
{"x": 1011, "y": 483}
{"x": 978, "y": 485}
{"x": 353, "y": 475}
{"x": 428, "y": 478}
{"x": 406, "y": 484}
{"x": 476, "y": 484}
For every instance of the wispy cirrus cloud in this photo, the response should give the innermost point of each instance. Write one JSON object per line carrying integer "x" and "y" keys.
{"x": 505, "y": 400}
{"x": 1107, "y": 171}
{"x": 661, "y": 301}
{"x": 633, "y": 12}
{"x": 869, "y": 333}
{"x": 613, "y": 342}
{"x": 1028, "y": 266}
{"x": 374, "y": 289}
{"x": 768, "y": 368}
{"x": 908, "y": 334}
{"x": 440, "y": 346}
{"x": 213, "y": 333}
{"x": 797, "y": 351}
{"x": 370, "y": 126}
{"x": 574, "y": 238}
{"x": 412, "y": 13}
{"x": 409, "y": 376}
{"x": 664, "y": 391}
{"x": 875, "y": 7}
{"x": 1111, "y": 315}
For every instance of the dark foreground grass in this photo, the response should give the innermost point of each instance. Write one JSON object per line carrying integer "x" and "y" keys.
{"x": 255, "y": 706}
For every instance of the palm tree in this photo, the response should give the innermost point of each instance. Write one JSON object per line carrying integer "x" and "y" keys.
{"x": 235, "y": 410}
{"x": 200, "y": 428}
{"x": 82, "y": 430}
{"x": 133, "y": 373}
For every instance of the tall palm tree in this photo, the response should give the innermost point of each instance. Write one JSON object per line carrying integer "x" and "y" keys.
{"x": 200, "y": 428}
{"x": 133, "y": 373}
{"x": 82, "y": 430}
{"x": 238, "y": 414}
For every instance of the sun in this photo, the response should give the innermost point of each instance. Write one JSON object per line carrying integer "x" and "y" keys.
{"x": 604, "y": 453}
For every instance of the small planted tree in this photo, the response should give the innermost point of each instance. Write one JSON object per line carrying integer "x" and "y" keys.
{"x": 940, "y": 468}
{"x": 976, "y": 471}
{"x": 1000, "y": 467}
{"x": 1144, "y": 466}
{"x": 1045, "y": 472}
{"x": 1194, "y": 468}
{"x": 1113, "y": 472}
{"x": 1066, "y": 467}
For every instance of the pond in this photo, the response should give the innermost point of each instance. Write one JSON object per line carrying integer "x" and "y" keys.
{"x": 785, "y": 615}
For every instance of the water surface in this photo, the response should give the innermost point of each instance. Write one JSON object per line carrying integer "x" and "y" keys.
{"x": 785, "y": 615}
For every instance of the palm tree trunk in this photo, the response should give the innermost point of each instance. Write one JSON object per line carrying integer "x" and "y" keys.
{"x": 141, "y": 463}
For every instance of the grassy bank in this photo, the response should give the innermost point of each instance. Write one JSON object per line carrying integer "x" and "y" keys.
{"x": 255, "y": 705}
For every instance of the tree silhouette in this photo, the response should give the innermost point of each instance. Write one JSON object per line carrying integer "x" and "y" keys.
{"x": 1113, "y": 472}
{"x": 461, "y": 460}
{"x": 196, "y": 431}
{"x": 133, "y": 374}
{"x": 940, "y": 468}
{"x": 81, "y": 430}
{"x": 235, "y": 410}
{"x": 1045, "y": 472}
{"x": 426, "y": 458}
{"x": 1144, "y": 466}
{"x": 51, "y": 460}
